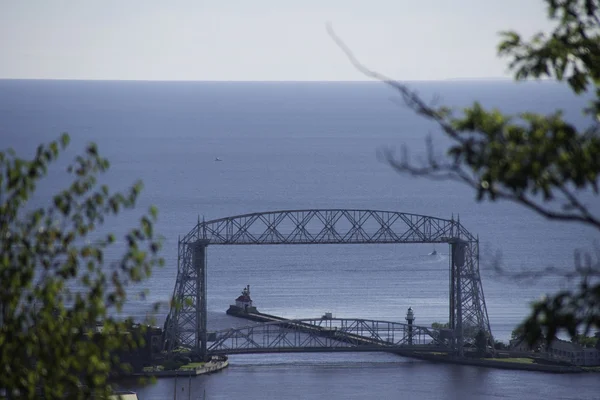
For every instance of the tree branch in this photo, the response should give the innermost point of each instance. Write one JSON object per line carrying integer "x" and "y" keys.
{"x": 453, "y": 171}
{"x": 578, "y": 205}
{"x": 411, "y": 99}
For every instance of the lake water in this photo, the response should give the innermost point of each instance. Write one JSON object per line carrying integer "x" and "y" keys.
{"x": 300, "y": 146}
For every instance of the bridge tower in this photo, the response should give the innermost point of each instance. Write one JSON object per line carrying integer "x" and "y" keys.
{"x": 186, "y": 324}
{"x": 468, "y": 311}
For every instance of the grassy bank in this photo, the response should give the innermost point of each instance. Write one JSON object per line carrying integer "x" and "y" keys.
{"x": 522, "y": 360}
{"x": 515, "y": 363}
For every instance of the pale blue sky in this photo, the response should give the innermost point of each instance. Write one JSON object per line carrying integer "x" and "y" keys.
{"x": 257, "y": 39}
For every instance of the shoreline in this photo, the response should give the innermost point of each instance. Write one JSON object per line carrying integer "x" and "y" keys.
{"x": 438, "y": 358}
{"x": 496, "y": 364}
{"x": 208, "y": 368}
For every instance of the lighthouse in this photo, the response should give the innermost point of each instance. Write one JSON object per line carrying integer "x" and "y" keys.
{"x": 244, "y": 301}
{"x": 243, "y": 304}
{"x": 410, "y": 317}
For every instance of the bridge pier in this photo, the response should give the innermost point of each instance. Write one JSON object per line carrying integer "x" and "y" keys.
{"x": 457, "y": 257}
{"x": 199, "y": 266}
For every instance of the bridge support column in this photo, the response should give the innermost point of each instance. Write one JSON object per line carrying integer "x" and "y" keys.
{"x": 199, "y": 266}
{"x": 457, "y": 250}
{"x": 452, "y": 299}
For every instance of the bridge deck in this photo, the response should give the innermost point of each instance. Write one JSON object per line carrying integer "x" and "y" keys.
{"x": 280, "y": 335}
{"x": 323, "y": 331}
{"x": 401, "y": 350}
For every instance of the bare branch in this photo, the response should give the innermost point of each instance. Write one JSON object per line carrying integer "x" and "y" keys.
{"x": 411, "y": 98}
{"x": 438, "y": 171}
{"x": 546, "y": 212}
{"x": 574, "y": 201}
{"x": 586, "y": 267}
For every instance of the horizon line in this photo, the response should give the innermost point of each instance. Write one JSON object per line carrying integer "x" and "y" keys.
{"x": 255, "y": 81}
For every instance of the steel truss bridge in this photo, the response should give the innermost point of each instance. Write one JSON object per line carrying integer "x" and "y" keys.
{"x": 336, "y": 334}
{"x": 186, "y": 323}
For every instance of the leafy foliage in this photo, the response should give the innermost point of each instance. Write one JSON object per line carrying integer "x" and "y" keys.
{"x": 440, "y": 325}
{"x": 571, "y": 52}
{"x": 56, "y": 286}
{"x": 517, "y": 333}
{"x": 498, "y": 345}
{"x": 585, "y": 341}
{"x": 541, "y": 162}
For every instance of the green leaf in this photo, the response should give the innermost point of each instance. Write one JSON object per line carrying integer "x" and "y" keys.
{"x": 66, "y": 360}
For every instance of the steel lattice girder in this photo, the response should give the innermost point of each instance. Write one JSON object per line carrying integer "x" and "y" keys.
{"x": 337, "y": 334}
{"x": 327, "y": 226}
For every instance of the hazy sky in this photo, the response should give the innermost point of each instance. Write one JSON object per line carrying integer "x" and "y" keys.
{"x": 257, "y": 39}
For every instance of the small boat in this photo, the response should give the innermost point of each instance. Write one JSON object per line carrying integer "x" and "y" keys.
{"x": 218, "y": 159}
{"x": 433, "y": 253}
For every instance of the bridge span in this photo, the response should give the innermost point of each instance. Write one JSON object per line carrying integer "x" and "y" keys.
{"x": 327, "y": 335}
{"x": 186, "y": 323}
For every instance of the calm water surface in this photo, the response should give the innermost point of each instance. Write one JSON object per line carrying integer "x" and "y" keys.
{"x": 311, "y": 145}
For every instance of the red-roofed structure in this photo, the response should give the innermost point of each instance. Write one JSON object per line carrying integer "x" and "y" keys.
{"x": 244, "y": 298}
